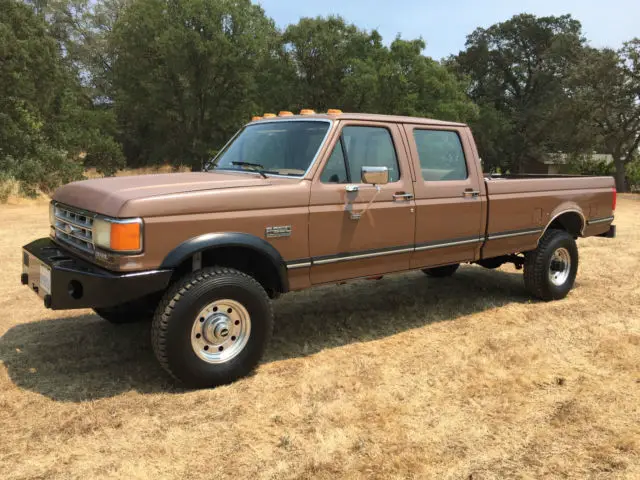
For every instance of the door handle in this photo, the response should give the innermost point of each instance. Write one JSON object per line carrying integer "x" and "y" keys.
{"x": 402, "y": 196}
{"x": 469, "y": 192}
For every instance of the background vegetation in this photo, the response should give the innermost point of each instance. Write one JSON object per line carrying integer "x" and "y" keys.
{"x": 110, "y": 83}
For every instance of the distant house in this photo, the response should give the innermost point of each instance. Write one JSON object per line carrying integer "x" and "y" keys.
{"x": 556, "y": 163}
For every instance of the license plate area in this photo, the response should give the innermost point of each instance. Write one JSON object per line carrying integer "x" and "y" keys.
{"x": 39, "y": 274}
{"x": 45, "y": 279}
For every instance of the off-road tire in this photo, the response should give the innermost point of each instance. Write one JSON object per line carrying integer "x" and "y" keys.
{"x": 441, "y": 272}
{"x": 131, "y": 312}
{"x": 172, "y": 324}
{"x": 537, "y": 263}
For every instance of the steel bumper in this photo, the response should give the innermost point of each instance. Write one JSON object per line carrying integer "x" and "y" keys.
{"x": 65, "y": 281}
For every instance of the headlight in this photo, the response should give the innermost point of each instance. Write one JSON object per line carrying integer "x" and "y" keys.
{"x": 118, "y": 235}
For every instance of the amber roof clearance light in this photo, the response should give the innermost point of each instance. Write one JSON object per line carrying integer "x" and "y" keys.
{"x": 307, "y": 111}
{"x": 334, "y": 111}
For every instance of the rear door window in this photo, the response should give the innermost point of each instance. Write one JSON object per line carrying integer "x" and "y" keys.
{"x": 441, "y": 155}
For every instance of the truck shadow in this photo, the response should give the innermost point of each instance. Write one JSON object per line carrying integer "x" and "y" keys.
{"x": 82, "y": 357}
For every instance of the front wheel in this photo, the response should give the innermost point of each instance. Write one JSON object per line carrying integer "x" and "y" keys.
{"x": 550, "y": 270}
{"x": 212, "y": 327}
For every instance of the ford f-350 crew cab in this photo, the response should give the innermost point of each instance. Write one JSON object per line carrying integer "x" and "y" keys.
{"x": 292, "y": 202}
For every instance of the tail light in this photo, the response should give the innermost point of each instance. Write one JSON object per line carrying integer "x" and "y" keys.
{"x": 615, "y": 199}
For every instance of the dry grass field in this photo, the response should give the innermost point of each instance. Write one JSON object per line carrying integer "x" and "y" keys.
{"x": 406, "y": 377}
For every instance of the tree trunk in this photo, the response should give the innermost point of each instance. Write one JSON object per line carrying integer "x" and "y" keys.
{"x": 621, "y": 182}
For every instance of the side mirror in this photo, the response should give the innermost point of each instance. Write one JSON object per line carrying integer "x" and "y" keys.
{"x": 375, "y": 175}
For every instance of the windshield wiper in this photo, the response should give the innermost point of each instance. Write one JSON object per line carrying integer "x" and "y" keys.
{"x": 256, "y": 167}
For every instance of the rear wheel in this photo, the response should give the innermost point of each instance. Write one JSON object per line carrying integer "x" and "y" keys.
{"x": 440, "y": 272}
{"x": 550, "y": 270}
{"x": 212, "y": 327}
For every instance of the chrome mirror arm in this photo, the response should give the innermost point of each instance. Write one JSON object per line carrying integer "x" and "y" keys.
{"x": 349, "y": 206}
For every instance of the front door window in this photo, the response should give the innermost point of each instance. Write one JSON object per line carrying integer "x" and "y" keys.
{"x": 359, "y": 147}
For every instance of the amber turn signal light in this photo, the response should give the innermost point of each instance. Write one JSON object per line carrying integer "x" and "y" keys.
{"x": 125, "y": 237}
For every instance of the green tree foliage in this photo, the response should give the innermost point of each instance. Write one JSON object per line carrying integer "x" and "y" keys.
{"x": 518, "y": 71}
{"x": 607, "y": 91}
{"x": 341, "y": 66}
{"x": 46, "y": 117}
{"x": 82, "y": 29}
{"x": 169, "y": 81}
{"x": 413, "y": 84}
{"x": 33, "y": 90}
{"x": 186, "y": 75}
{"x": 325, "y": 52}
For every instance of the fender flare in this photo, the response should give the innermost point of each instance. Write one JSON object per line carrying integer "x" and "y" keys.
{"x": 558, "y": 213}
{"x": 211, "y": 241}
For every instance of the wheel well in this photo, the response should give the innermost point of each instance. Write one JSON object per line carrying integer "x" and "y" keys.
{"x": 570, "y": 222}
{"x": 245, "y": 259}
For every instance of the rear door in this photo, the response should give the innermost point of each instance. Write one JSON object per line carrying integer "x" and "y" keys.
{"x": 450, "y": 196}
{"x": 343, "y": 246}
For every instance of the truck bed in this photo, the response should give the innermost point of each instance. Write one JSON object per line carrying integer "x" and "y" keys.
{"x": 521, "y": 207}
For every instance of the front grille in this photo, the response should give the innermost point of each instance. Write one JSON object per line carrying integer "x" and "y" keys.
{"x": 74, "y": 227}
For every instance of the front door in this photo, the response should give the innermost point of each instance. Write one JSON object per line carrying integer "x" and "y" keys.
{"x": 450, "y": 196}
{"x": 356, "y": 231}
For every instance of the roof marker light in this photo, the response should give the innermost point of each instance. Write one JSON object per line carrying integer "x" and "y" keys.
{"x": 307, "y": 111}
{"x": 285, "y": 113}
{"x": 256, "y": 117}
{"x": 269, "y": 115}
{"x": 334, "y": 111}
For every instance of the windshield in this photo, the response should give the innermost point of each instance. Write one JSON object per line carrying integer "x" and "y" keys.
{"x": 280, "y": 147}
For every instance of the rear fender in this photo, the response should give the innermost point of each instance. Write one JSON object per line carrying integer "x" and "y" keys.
{"x": 562, "y": 209}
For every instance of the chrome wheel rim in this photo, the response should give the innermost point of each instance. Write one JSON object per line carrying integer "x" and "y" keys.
{"x": 220, "y": 331}
{"x": 560, "y": 267}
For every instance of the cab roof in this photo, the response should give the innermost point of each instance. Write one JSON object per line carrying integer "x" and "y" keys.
{"x": 373, "y": 117}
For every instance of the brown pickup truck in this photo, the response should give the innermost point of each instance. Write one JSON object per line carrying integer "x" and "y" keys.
{"x": 294, "y": 201}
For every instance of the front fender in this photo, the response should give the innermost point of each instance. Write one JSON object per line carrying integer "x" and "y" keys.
{"x": 209, "y": 241}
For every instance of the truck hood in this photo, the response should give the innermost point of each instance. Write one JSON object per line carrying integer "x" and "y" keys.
{"x": 107, "y": 196}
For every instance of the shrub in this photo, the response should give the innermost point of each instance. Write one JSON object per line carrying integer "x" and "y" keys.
{"x": 8, "y": 186}
{"x": 105, "y": 155}
{"x": 633, "y": 175}
{"x": 588, "y": 165}
{"x": 45, "y": 169}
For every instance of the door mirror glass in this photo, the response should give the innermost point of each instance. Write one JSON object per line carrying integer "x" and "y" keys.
{"x": 375, "y": 175}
